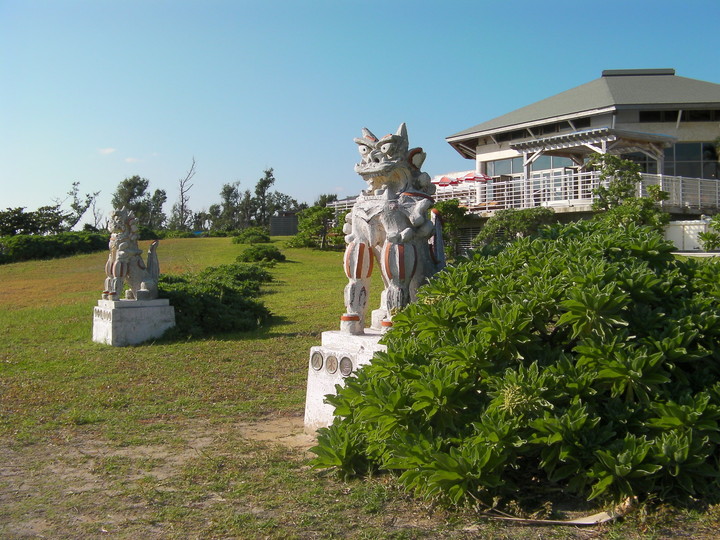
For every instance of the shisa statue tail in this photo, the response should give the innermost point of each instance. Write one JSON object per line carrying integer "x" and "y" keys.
{"x": 153, "y": 266}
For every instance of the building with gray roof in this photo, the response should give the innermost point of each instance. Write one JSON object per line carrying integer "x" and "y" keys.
{"x": 535, "y": 155}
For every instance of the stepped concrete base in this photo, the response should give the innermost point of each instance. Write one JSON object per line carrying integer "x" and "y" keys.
{"x": 339, "y": 355}
{"x": 129, "y": 322}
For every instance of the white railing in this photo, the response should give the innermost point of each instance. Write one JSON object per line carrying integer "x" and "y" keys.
{"x": 558, "y": 189}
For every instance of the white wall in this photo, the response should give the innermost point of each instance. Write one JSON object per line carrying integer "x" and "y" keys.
{"x": 684, "y": 234}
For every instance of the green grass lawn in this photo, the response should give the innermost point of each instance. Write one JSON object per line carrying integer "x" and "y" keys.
{"x": 147, "y": 441}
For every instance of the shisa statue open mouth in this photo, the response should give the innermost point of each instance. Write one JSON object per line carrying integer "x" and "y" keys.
{"x": 386, "y": 161}
{"x": 391, "y": 224}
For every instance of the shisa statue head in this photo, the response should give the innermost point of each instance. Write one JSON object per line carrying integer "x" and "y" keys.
{"x": 387, "y": 162}
{"x": 122, "y": 220}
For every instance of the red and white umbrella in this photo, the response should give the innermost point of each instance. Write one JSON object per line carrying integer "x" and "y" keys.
{"x": 474, "y": 177}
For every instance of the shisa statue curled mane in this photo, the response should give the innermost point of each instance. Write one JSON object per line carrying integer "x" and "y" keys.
{"x": 125, "y": 262}
{"x": 391, "y": 223}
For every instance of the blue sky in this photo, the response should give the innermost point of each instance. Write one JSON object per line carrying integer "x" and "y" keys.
{"x": 97, "y": 91}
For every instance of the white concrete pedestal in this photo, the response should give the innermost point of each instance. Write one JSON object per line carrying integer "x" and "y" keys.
{"x": 129, "y": 322}
{"x": 339, "y": 355}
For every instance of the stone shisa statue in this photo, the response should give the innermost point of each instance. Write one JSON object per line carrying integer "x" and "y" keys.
{"x": 125, "y": 261}
{"x": 391, "y": 223}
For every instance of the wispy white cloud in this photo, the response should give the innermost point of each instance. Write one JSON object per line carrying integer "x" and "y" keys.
{"x": 106, "y": 151}
{"x": 132, "y": 160}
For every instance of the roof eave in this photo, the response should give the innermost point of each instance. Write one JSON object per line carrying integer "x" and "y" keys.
{"x": 531, "y": 124}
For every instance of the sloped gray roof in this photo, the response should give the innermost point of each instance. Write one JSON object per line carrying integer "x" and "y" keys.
{"x": 652, "y": 88}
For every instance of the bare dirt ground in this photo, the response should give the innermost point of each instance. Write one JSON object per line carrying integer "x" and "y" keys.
{"x": 78, "y": 484}
{"x": 80, "y": 466}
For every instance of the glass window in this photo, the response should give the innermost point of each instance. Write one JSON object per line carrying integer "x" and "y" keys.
{"x": 651, "y": 116}
{"x": 711, "y": 170}
{"x": 517, "y": 165}
{"x": 542, "y": 163}
{"x": 698, "y": 116}
{"x": 490, "y": 168}
{"x": 558, "y": 162}
{"x": 708, "y": 152}
{"x": 581, "y": 123}
{"x": 687, "y": 152}
{"x": 689, "y": 169}
{"x": 503, "y": 166}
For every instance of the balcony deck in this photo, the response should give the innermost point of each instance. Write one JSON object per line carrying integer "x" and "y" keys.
{"x": 573, "y": 192}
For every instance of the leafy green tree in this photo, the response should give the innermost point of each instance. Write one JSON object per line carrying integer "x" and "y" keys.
{"x": 622, "y": 177}
{"x": 324, "y": 199}
{"x": 452, "y": 216}
{"x": 78, "y": 205}
{"x": 618, "y": 202}
{"x": 246, "y": 210}
{"x": 510, "y": 224}
{"x": 263, "y": 201}
{"x": 50, "y": 220}
{"x": 227, "y": 213}
{"x": 314, "y": 225}
{"x": 15, "y": 221}
{"x": 201, "y": 221}
{"x": 156, "y": 217}
{"x": 132, "y": 193}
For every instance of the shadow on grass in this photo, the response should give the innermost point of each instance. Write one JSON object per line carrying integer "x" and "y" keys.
{"x": 271, "y": 330}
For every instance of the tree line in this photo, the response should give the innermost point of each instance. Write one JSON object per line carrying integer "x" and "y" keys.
{"x": 237, "y": 209}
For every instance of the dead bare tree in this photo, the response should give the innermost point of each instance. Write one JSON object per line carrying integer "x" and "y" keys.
{"x": 181, "y": 213}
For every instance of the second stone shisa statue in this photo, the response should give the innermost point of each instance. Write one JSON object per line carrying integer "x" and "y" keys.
{"x": 125, "y": 262}
{"x": 393, "y": 224}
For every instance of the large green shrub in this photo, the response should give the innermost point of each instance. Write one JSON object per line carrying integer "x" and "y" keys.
{"x": 586, "y": 360}
{"x": 218, "y": 299}
{"x": 26, "y": 247}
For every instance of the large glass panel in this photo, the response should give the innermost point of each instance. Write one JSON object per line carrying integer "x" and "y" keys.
{"x": 502, "y": 166}
{"x": 650, "y": 116}
{"x": 710, "y": 169}
{"x": 708, "y": 152}
{"x": 689, "y": 169}
{"x": 541, "y": 163}
{"x": 698, "y": 116}
{"x": 517, "y": 165}
{"x": 490, "y": 168}
{"x": 581, "y": 123}
{"x": 687, "y": 152}
{"x": 558, "y": 162}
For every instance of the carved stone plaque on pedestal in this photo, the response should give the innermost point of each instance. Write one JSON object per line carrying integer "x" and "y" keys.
{"x": 129, "y": 322}
{"x": 339, "y": 355}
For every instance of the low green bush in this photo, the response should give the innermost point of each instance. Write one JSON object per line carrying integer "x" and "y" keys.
{"x": 218, "y": 299}
{"x": 252, "y": 235}
{"x": 26, "y": 247}
{"x": 586, "y": 361}
{"x": 260, "y": 253}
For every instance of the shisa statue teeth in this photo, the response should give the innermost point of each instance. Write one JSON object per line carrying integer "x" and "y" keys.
{"x": 391, "y": 223}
